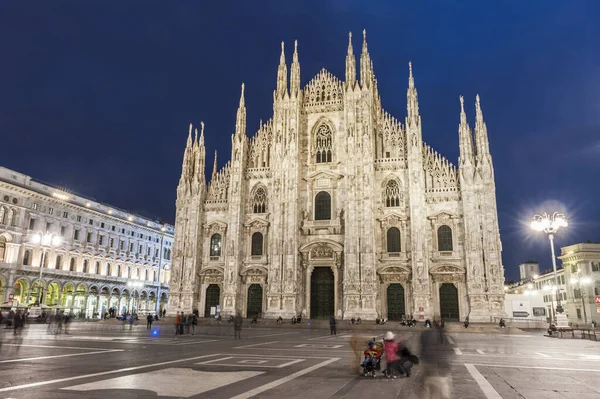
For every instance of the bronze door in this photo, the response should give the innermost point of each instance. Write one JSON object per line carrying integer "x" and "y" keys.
{"x": 213, "y": 293}
{"x": 255, "y": 294}
{"x": 395, "y": 302}
{"x": 322, "y": 293}
{"x": 449, "y": 302}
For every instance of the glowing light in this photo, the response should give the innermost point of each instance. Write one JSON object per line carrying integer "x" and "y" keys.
{"x": 536, "y": 276}
{"x": 110, "y": 211}
{"x": 130, "y": 218}
{"x": 88, "y": 204}
{"x": 60, "y": 195}
{"x": 155, "y": 332}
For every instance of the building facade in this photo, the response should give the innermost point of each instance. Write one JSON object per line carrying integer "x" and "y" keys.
{"x": 335, "y": 207}
{"x": 582, "y": 275}
{"x": 103, "y": 257}
{"x": 529, "y": 269}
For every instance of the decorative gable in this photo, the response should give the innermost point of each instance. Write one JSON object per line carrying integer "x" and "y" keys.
{"x": 323, "y": 93}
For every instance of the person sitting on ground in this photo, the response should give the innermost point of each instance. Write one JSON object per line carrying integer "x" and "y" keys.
{"x": 358, "y": 321}
{"x": 466, "y": 323}
{"x": 428, "y": 323}
{"x": 279, "y": 319}
{"x": 294, "y": 320}
{"x": 254, "y": 320}
{"x": 502, "y": 323}
{"x": 377, "y": 320}
{"x": 371, "y": 355}
{"x": 353, "y": 320}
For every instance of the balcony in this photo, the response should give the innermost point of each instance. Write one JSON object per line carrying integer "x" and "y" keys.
{"x": 445, "y": 255}
{"x": 394, "y": 257}
{"x": 257, "y": 259}
{"x": 215, "y": 259}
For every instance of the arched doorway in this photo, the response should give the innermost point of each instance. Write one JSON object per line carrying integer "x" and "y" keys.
{"x": 213, "y": 294}
{"x": 255, "y": 294}
{"x": 52, "y": 294}
{"x": 449, "y": 302}
{"x": 322, "y": 293}
{"x": 21, "y": 291}
{"x": 395, "y": 302}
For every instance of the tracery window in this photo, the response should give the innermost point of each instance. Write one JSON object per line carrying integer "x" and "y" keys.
{"x": 257, "y": 244}
{"x": 444, "y": 238}
{"x": 323, "y": 206}
{"x": 259, "y": 201}
{"x": 393, "y": 239}
{"x": 215, "y": 245}
{"x": 392, "y": 194}
{"x": 323, "y": 144}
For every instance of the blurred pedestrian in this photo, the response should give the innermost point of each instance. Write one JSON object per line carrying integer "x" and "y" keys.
{"x": 237, "y": 326}
{"x": 149, "y": 321}
{"x": 390, "y": 348}
{"x": 332, "y": 326}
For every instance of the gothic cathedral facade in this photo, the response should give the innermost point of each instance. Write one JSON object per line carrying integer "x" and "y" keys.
{"x": 335, "y": 207}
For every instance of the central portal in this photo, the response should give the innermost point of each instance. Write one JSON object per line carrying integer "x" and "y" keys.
{"x": 395, "y": 302}
{"x": 255, "y": 294}
{"x": 322, "y": 293}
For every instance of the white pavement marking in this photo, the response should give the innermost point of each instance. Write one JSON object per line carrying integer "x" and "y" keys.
{"x": 272, "y": 335}
{"x": 534, "y": 367}
{"x": 246, "y": 364}
{"x": 480, "y": 352}
{"x": 62, "y": 347}
{"x": 542, "y": 354}
{"x": 450, "y": 340}
{"x": 283, "y": 380}
{"x": 486, "y": 387}
{"x": 56, "y": 356}
{"x": 457, "y": 351}
{"x": 250, "y": 346}
{"x": 318, "y": 338}
{"x": 78, "y": 377}
{"x": 170, "y": 382}
{"x": 195, "y": 342}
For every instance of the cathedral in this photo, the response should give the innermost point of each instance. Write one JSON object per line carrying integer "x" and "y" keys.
{"x": 336, "y": 208}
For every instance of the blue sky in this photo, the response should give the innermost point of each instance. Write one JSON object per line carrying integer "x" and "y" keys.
{"x": 97, "y": 96}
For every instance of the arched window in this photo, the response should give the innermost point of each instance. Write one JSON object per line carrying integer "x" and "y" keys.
{"x": 15, "y": 216}
{"x": 323, "y": 144}
{"x": 3, "y": 215}
{"x": 128, "y": 270}
{"x": 72, "y": 265}
{"x": 2, "y": 248}
{"x": 393, "y": 240}
{"x": 444, "y": 238}
{"x": 85, "y": 266}
{"x": 137, "y": 272}
{"x": 392, "y": 194}
{"x": 108, "y": 269}
{"x": 58, "y": 262}
{"x": 257, "y": 243}
{"x": 145, "y": 274}
{"x": 259, "y": 201}
{"x": 26, "y": 257}
{"x": 323, "y": 206}
{"x": 118, "y": 270}
{"x": 97, "y": 268}
{"x": 215, "y": 245}
{"x": 46, "y": 260}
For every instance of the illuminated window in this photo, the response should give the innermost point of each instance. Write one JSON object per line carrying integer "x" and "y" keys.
{"x": 323, "y": 145}
{"x": 215, "y": 245}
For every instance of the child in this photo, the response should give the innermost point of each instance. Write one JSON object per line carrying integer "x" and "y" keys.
{"x": 371, "y": 356}
{"x": 390, "y": 347}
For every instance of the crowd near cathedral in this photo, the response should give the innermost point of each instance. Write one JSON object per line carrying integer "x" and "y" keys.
{"x": 334, "y": 207}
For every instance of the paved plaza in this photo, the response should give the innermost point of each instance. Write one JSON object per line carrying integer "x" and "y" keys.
{"x": 100, "y": 360}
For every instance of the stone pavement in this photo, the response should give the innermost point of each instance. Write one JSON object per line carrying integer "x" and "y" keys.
{"x": 98, "y": 362}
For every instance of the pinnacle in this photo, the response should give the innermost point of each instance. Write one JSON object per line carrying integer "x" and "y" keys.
{"x": 462, "y": 104}
{"x": 242, "y": 102}
{"x": 282, "y": 57}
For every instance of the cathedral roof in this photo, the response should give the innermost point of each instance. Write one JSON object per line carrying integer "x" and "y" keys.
{"x": 324, "y": 90}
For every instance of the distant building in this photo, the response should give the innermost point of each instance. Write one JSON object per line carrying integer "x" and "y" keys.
{"x": 529, "y": 269}
{"x": 582, "y": 274}
{"x": 106, "y": 258}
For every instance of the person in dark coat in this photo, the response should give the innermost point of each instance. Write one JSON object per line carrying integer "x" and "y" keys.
{"x": 332, "y": 326}
{"x": 237, "y": 326}
{"x": 149, "y": 321}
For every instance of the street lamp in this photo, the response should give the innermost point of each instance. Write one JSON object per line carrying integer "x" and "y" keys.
{"x": 550, "y": 225}
{"x": 581, "y": 282}
{"x": 46, "y": 241}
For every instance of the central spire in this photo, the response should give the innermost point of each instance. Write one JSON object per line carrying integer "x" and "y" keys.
{"x": 465, "y": 139}
{"x": 481, "y": 136}
{"x": 240, "y": 123}
{"x": 412, "y": 99}
{"x": 366, "y": 72}
{"x": 282, "y": 74}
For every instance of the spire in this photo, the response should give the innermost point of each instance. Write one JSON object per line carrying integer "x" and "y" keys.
{"x": 200, "y": 156}
{"x": 202, "y": 134}
{"x": 481, "y": 137}
{"x": 240, "y": 123}
{"x": 365, "y": 64}
{"x": 350, "y": 64}
{"x": 186, "y": 166}
{"x": 214, "y": 172}
{"x": 189, "y": 140}
{"x": 412, "y": 100}
{"x": 295, "y": 72}
{"x": 196, "y": 138}
{"x": 282, "y": 75}
{"x": 465, "y": 139}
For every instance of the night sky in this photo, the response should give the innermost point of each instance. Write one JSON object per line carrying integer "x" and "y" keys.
{"x": 97, "y": 98}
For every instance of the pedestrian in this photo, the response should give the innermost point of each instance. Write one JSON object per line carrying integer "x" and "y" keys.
{"x": 183, "y": 325}
{"x": 164, "y": 312}
{"x": 332, "y": 326}
{"x": 390, "y": 348}
{"x": 177, "y": 321}
{"x": 237, "y": 326}
{"x": 194, "y": 323}
{"x": 149, "y": 320}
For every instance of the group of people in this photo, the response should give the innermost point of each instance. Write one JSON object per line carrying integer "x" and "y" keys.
{"x": 186, "y": 323}
{"x": 17, "y": 320}
{"x": 399, "y": 360}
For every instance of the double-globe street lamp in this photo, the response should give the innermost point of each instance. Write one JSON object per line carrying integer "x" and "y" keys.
{"x": 582, "y": 282}
{"x": 46, "y": 241}
{"x": 550, "y": 225}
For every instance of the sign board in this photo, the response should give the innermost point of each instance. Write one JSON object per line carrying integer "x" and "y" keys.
{"x": 213, "y": 310}
{"x": 521, "y": 306}
{"x": 520, "y": 314}
{"x": 597, "y": 299}
{"x": 539, "y": 311}
{"x": 597, "y": 309}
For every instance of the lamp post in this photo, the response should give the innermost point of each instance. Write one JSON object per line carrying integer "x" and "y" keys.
{"x": 581, "y": 282}
{"x": 550, "y": 225}
{"x": 46, "y": 241}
